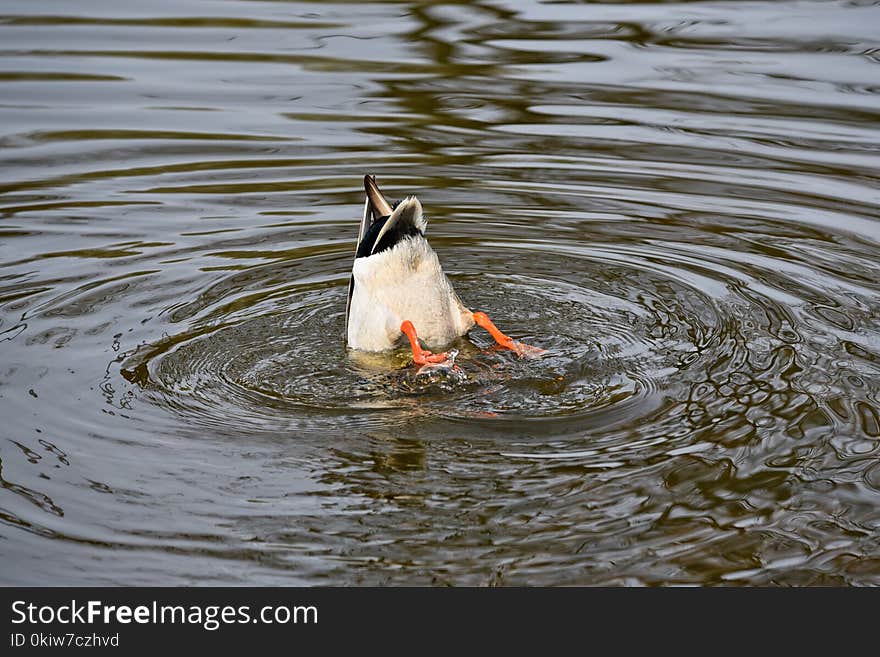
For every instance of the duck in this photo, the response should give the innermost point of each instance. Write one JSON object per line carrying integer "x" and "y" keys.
{"x": 398, "y": 289}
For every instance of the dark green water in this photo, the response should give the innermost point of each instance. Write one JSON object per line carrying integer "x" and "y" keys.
{"x": 679, "y": 200}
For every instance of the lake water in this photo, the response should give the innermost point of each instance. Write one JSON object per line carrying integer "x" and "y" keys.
{"x": 680, "y": 201}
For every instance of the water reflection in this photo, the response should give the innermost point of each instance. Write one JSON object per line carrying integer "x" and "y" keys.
{"x": 676, "y": 199}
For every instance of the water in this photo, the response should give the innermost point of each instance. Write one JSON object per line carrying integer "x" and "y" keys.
{"x": 678, "y": 200}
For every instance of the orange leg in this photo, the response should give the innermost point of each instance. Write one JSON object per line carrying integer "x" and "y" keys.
{"x": 521, "y": 349}
{"x": 420, "y": 356}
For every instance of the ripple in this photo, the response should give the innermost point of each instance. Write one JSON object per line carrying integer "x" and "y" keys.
{"x": 680, "y": 207}
{"x": 615, "y": 335}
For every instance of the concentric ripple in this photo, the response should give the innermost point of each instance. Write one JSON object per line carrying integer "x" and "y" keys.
{"x": 678, "y": 201}
{"x": 614, "y": 335}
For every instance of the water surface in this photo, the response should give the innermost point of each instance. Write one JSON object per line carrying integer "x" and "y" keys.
{"x": 678, "y": 200}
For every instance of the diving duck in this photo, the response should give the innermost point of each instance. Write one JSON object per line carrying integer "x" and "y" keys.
{"x": 398, "y": 287}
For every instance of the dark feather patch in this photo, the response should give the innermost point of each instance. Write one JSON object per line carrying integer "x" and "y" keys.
{"x": 398, "y": 233}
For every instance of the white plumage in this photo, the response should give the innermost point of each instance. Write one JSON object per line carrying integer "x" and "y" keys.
{"x": 405, "y": 282}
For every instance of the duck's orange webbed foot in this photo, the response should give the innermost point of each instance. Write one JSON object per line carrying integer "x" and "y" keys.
{"x": 420, "y": 356}
{"x": 521, "y": 349}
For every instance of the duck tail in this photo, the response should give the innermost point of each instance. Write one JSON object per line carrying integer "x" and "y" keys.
{"x": 379, "y": 205}
{"x": 407, "y": 220}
